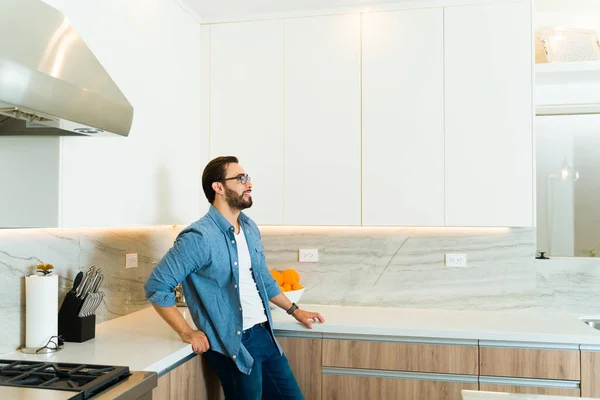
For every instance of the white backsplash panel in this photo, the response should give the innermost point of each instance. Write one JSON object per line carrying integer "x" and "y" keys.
{"x": 393, "y": 267}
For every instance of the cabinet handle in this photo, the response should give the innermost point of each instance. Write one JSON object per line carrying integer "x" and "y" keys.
{"x": 548, "y": 383}
{"x": 423, "y": 376}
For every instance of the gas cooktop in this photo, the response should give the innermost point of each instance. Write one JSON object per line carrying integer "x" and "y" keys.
{"x": 84, "y": 380}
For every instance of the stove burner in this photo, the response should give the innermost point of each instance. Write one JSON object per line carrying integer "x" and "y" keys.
{"x": 86, "y": 380}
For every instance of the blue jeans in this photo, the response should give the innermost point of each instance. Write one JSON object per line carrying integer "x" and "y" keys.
{"x": 271, "y": 377}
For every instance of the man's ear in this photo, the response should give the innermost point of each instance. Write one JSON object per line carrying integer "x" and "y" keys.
{"x": 217, "y": 187}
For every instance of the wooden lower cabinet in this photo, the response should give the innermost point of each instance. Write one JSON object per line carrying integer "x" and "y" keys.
{"x": 192, "y": 380}
{"x": 529, "y": 363}
{"x": 401, "y": 356}
{"x": 344, "y": 387}
{"x": 590, "y": 374}
{"x": 304, "y": 356}
{"x": 530, "y": 390}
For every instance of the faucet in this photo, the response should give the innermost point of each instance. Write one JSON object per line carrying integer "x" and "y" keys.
{"x": 179, "y": 296}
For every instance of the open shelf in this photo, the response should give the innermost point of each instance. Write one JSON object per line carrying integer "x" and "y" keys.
{"x": 567, "y": 88}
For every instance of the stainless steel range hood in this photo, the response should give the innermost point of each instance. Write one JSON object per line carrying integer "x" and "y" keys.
{"x": 50, "y": 82}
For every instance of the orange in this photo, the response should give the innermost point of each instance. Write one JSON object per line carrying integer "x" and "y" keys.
{"x": 297, "y": 286}
{"x": 287, "y": 287}
{"x": 291, "y": 276}
{"x": 277, "y": 276}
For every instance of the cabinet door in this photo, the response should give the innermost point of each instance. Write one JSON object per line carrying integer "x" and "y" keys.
{"x": 488, "y": 115}
{"x": 246, "y": 108}
{"x": 348, "y": 387}
{"x": 399, "y": 356}
{"x": 403, "y": 118}
{"x": 530, "y": 363}
{"x": 191, "y": 380}
{"x": 590, "y": 374}
{"x": 304, "y": 356}
{"x": 322, "y": 120}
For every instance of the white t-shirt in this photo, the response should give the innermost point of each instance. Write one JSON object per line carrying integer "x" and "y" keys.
{"x": 253, "y": 311}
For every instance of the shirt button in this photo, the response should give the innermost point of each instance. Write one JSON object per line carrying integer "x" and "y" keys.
{"x": 235, "y": 286}
{"x": 240, "y": 308}
{"x": 233, "y": 241}
{"x": 234, "y": 357}
{"x": 235, "y": 263}
{"x": 238, "y": 332}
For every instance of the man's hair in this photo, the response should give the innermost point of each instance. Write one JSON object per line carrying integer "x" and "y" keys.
{"x": 213, "y": 172}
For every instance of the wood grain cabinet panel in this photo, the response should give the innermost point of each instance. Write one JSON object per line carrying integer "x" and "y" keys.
{"x": 590, "y": 374}
{"x": 192, "y": 380}
{"x": 530, "y": 390}
{"x": 343, "y": 387}
{"x": 530, "y": 363}
{"x": 304, "y": 356}
{"x": 398, "y": 356}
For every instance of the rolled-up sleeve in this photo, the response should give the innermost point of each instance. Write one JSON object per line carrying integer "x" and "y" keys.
{"x": 189, "y": 253}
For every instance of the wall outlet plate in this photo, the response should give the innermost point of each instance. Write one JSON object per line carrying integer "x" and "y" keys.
{"x": 308, "y": 255}
{"x": 456, "y": 260}
{"x": 131, "y": 260}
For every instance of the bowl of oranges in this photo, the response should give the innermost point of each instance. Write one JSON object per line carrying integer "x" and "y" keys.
{"x": 289, "y": 283}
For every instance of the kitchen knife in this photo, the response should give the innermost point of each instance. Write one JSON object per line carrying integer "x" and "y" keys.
{"x": 97, "y": 284}
{"x": 76, "y": 282}
{"x": 82, "y": 285}
{"x": 91, "y": 283}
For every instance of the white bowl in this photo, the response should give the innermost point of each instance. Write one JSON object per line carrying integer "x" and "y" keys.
{"x": 293, "y": 295}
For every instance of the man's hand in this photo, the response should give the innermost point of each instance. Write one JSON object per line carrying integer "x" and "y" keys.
{"x": 307, "y": 317}
{"x": 198, "y": 340}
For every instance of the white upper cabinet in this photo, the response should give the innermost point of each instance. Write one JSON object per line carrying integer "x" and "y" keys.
{"x": 246, "y": 89}
{"x": 489, "y": 111}
{"x": 403, "y": 118}
{"x": 322, "y": 121}
{"x": 152, "y": 177}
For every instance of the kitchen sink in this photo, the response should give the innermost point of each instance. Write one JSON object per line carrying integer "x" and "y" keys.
{"x": 594, "y": 323}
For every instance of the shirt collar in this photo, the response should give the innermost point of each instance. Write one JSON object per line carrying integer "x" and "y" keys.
{"x": 221, "y": 221}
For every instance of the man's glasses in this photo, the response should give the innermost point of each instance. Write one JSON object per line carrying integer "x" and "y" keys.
{"x": 241, "y": 177}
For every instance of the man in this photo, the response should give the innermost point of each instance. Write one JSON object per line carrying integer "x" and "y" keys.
{"x": 219, "y": 261}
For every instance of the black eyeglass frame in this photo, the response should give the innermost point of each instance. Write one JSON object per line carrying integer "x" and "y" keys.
{"x": 243, "y": 178}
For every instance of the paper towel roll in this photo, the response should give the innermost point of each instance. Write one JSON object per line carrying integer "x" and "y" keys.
{"x": 41, "y": 309}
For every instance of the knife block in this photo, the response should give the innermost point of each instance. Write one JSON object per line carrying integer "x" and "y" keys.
{"x": 71, "y": 327}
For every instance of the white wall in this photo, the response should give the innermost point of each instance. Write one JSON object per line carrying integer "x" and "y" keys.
{"x": 151, "y": 49}
{"x": 28, "y": 175}
{"x": 579, "y": 14}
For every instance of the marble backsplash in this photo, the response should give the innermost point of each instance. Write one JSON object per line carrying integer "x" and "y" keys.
{"x": 395, "y": 267}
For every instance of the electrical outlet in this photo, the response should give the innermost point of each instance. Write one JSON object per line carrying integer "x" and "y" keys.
{"x": 131, "y": 260}
{"x": 308, "y": 255}
{"x": 456, "y": 260}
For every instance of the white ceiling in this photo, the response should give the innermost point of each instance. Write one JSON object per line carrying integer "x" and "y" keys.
{"x": 231, "y": 10}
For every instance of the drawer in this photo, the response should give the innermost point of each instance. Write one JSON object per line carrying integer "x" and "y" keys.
{"x": 401, "y": 356}
{"x": 530, "y": 363}
{"x": 548, "y": 387}
{"x": 340, "y": 384}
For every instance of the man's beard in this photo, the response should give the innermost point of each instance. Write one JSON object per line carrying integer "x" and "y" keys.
{"x": 235, "y": 201}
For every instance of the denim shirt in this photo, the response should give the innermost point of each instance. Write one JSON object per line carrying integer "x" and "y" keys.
{"x": 204, "y": 259}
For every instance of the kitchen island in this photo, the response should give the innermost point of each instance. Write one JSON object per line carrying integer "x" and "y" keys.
{"x": 144, "y": 342}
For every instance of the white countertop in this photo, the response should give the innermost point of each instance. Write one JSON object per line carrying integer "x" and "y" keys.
{"x": 144, "y": 342}
{"x": 472, "y": 395}
{"x": 428, "y": 323}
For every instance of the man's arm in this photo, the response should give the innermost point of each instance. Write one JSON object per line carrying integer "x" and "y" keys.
{"x": 173, "y": 317}
{"x": 306, "y": 317}
{"x": 188, "y": 253}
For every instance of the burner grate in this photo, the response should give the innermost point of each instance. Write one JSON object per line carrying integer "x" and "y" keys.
{"x": 83, "y": 378}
